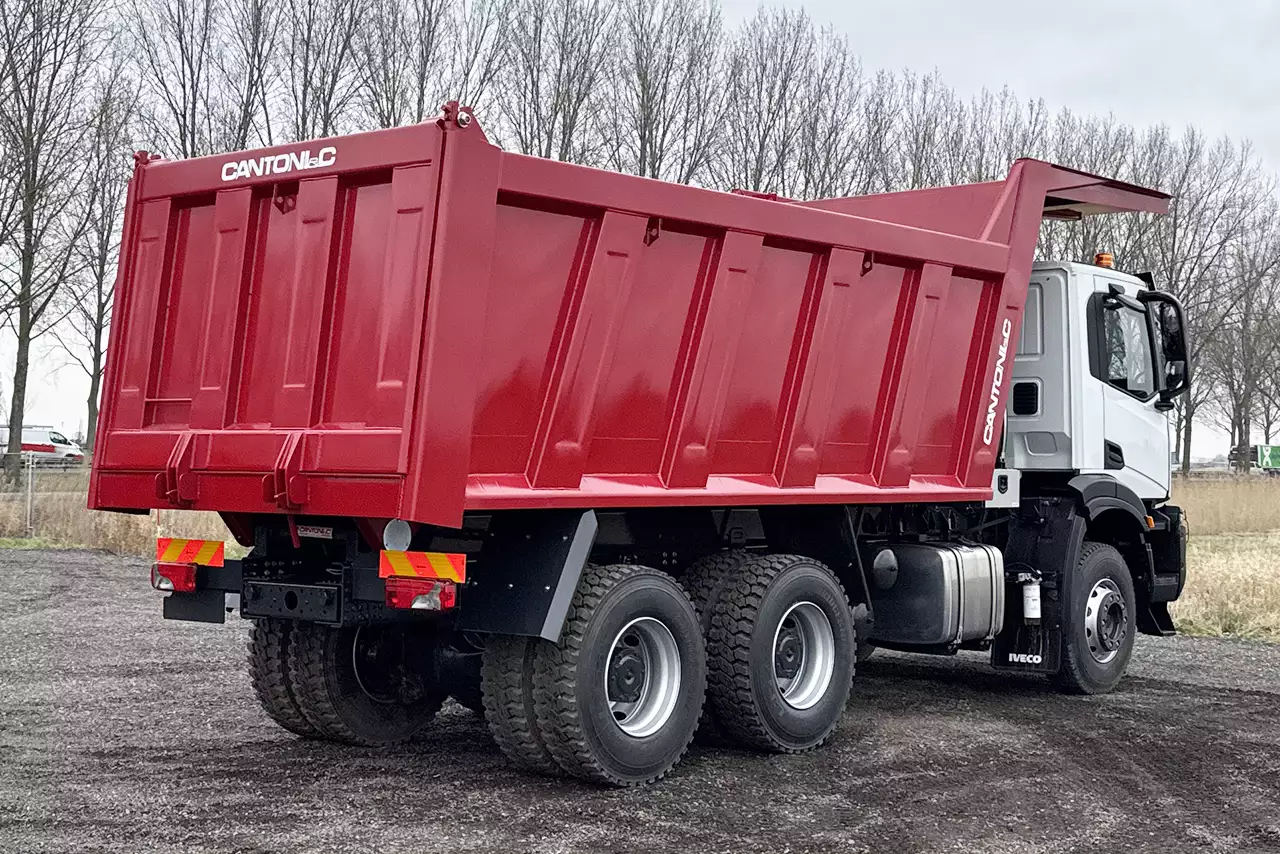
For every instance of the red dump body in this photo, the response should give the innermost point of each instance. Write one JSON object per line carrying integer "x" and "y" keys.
{"x": 412, "y": 323}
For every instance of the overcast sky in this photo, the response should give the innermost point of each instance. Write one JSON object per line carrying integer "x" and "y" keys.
{"x": 1212, "y": 64}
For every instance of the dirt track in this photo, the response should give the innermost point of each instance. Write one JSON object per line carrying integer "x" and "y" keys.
{"x": 122, "y": 732}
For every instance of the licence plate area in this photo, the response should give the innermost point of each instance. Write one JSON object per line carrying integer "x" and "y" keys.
{"x": 321, "y": 603}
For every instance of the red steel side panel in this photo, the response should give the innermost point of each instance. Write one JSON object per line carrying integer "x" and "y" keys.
{"x": 410, "y": 323}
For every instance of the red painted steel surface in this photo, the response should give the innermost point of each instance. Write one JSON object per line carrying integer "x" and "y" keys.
{"x": 417, "y": 324}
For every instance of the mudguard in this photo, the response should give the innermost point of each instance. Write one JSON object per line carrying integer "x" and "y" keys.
{"x": 1101, "y": 492}
{"x": 529, "y": 569}
{"x": 1046, "y": 535}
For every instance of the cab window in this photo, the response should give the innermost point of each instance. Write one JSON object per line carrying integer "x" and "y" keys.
{"x": 1127, "y": 361}
{"x": 57, "y": 438}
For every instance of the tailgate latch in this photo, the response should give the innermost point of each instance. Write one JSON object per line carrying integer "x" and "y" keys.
{"x": 286, "y": 485}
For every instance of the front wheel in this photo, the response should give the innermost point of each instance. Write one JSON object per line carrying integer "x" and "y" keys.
{"x": 1098, "y": 633}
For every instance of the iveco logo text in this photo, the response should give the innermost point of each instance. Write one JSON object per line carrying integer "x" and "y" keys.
{"x": 996, "y": 379}
{"x": 1023, "y": 658}
{"x": 278, "y": 164}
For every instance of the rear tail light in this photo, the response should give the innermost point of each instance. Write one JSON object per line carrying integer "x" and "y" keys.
{"x": 174, "y": 577}
{"x": 421, "y": 594}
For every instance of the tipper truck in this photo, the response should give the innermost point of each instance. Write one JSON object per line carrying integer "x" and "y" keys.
{"x": 611, "y": 460}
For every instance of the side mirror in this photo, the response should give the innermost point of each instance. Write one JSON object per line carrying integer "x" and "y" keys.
{"x": 1171, "y": 327}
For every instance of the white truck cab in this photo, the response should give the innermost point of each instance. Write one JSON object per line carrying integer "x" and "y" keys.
{"x": 1100, "y": 358}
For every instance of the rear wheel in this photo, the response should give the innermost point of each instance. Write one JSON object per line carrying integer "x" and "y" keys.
{"x": 781, "y": 654}
{"x": 506, "y": 681}
{"x": 370, "y": 685}
{"x": 1097, "y": 639}
{"x": 704, "y": 580}
{"x": 618, "y": 698}
{"x": 269, "y": 674}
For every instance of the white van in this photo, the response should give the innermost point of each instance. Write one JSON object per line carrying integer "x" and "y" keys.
{"x": 45, "y": 445}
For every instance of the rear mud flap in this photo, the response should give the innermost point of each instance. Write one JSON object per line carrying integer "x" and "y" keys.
{"x": 202, "y": 606}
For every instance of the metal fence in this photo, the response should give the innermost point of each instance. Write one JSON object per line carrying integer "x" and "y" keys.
{"x": 45, "y": 502}
{"x": 36, "y": 492}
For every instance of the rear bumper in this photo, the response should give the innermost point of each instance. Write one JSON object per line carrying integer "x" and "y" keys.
{"x": 223, "y": 589}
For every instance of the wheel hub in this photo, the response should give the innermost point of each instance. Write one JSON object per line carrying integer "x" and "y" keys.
{"x": 788, "y": 651}
{"x": 804, "y": 652}
{"x": 378, "y": 663}
{"x": 1111, "y": 627}
{"x": 643, "y": 679}
{"x": 626, "y": 674}
{"x": 1106, "y": 621}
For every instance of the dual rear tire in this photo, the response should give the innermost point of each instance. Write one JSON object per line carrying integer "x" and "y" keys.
{"x": 372, "y": 686}
{"x": 616, "y": 701}
{"x": 780, "y": 650}
{"x": 766, "y": 642}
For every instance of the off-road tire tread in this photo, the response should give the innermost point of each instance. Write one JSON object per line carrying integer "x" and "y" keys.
{"x": 268, "y": 653}
{"x": 507, "y": 690}
{"x": 704, "y": 580}
{"x": 729, "y": 654}
{"x": 1069, "y": 679}
{"x": 559, "y": 720}
{"x": 310, "y": 678}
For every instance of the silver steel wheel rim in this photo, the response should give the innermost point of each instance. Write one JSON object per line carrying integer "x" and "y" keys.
{"x": 1105, "y": 621}
{"x": 642, "y": 684}
{"x": 804, "y": 655}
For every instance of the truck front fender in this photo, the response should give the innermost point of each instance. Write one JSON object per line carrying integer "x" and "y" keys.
{"x": 1101, "y": 492}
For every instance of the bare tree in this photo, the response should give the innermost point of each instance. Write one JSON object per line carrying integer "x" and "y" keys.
{"x": 320, "y": 64}
{"x": 174, "y": 45}
{"x": 246, "y": 48}
{"x": 928, "y": 108}
{"x": 1268, "y": 409}
{"x": 1246, "y": 347}
{"x": 1218, "y": 190}
{"x": 478, "y": 38}
{"x": 769, "y": 60}
{"x": 83, "y": 334}
{"x": 401, "y": 46}
{"x": 665, "y": 94}
{"x": 47, "y": 53}
{"x": 833, "y": 127}
{"x": 556, "y": 52}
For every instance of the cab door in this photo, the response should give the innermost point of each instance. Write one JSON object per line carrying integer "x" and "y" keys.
{"x": 1122, "y": 357}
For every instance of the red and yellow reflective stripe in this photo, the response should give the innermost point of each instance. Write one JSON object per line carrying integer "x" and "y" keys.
{"x": 449, "y": 567}
{"x": 202, "y": 552}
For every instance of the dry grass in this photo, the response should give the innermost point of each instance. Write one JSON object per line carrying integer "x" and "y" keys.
{"x": 1233, "y": 586}
{"x": 1229, "y": 505}
{"x": 1233, "y": 557}
{"x": 59, "y": 516}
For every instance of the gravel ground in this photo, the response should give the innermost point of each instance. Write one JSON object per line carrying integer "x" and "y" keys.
{"x": 122, "y": 732}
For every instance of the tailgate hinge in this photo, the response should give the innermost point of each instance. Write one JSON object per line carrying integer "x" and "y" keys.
{"x": 286, "y": 485}
{"x": 176, "y": 484}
